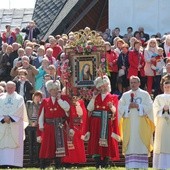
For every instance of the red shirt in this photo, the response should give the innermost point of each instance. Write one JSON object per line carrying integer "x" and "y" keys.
{"x": 56, "y": 50}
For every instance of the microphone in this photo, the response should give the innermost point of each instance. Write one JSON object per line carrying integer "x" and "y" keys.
{"x": 132, "y": 97}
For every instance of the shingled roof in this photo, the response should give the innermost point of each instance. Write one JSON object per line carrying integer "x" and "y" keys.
{"x": 62, "y": 16}
{"x": 15, "y": 17}
{"x": 45, "y": 12}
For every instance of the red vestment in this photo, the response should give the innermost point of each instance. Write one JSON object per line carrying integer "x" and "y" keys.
{"x": 95, "y": 129}
{"x": 77, "y": 154}
{"x": 48, "y": 144}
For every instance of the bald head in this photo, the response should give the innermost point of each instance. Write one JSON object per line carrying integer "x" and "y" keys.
{"x": 10, "y": 87}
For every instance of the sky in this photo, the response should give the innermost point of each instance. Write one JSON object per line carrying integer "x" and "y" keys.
{"x": 6, "y": 4}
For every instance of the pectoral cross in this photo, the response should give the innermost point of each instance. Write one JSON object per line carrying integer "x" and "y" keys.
{"x": 9, "y": 101}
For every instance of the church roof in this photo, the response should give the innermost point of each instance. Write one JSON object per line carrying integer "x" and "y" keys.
{"x": 45, "y": 12}
{"x": 62, "y": 16}
{"x": 15, "y": 17}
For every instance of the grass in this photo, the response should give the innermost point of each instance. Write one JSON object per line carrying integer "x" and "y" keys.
{"x": 74, "y": 168}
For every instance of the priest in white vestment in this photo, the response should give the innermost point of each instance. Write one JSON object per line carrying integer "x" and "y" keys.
{"x": 161, "y": 108}
{"x": 13, "y": 120}
{"x": 135, "y": 117}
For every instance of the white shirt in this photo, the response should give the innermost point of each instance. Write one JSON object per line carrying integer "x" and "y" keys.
{"x": 21, "y": 90}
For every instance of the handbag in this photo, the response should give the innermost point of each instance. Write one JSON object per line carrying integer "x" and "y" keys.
{"x": 121, "y": 72}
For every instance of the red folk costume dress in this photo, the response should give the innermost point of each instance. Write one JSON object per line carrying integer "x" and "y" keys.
{"x": 95, "y": 143}
{"x": 50, "y": 112}
{"x": 77, "y": 122}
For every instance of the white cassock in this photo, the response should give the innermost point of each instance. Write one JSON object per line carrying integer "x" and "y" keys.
{"x": 144, "y": 101}
{"x": 135, "y": 145}
{"x": 161, "y": 154}
{"x": 12, "y": 135}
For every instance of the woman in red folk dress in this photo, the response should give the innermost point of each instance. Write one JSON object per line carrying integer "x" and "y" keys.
{"x": 78, "y": 131}
{"x": 53, "y": 113}
{"x": 104, "y": 132}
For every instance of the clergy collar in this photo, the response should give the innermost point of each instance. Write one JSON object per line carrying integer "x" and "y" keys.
{"x": 11, "y": 95}
{"x": 167, "y": 94}
{"x": 135, "y": 91}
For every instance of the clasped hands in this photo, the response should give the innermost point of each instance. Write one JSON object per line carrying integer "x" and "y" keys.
{"x": 7, "y": 119}
{"x": 133, "y": 105}
{"x": 165, "y": 112}
{"x": 166, "y": 108}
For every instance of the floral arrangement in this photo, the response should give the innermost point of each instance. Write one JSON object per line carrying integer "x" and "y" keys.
{"x": 65, "y": 72}
{"x": 103, "y": 64}
{"x": 83, "y": 42}
{"x": 85, "y": 49}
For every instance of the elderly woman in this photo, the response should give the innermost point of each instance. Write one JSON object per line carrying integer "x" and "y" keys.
{"x": 24, "y": 64}
{"x": 103, "y": 124}
{"x": 53, "y": 113}
{"x": 42, "y": 70}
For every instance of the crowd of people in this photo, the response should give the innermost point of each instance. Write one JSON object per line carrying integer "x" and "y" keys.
{"x": 137, "y": 54}
{"x": 129, "y": 103}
